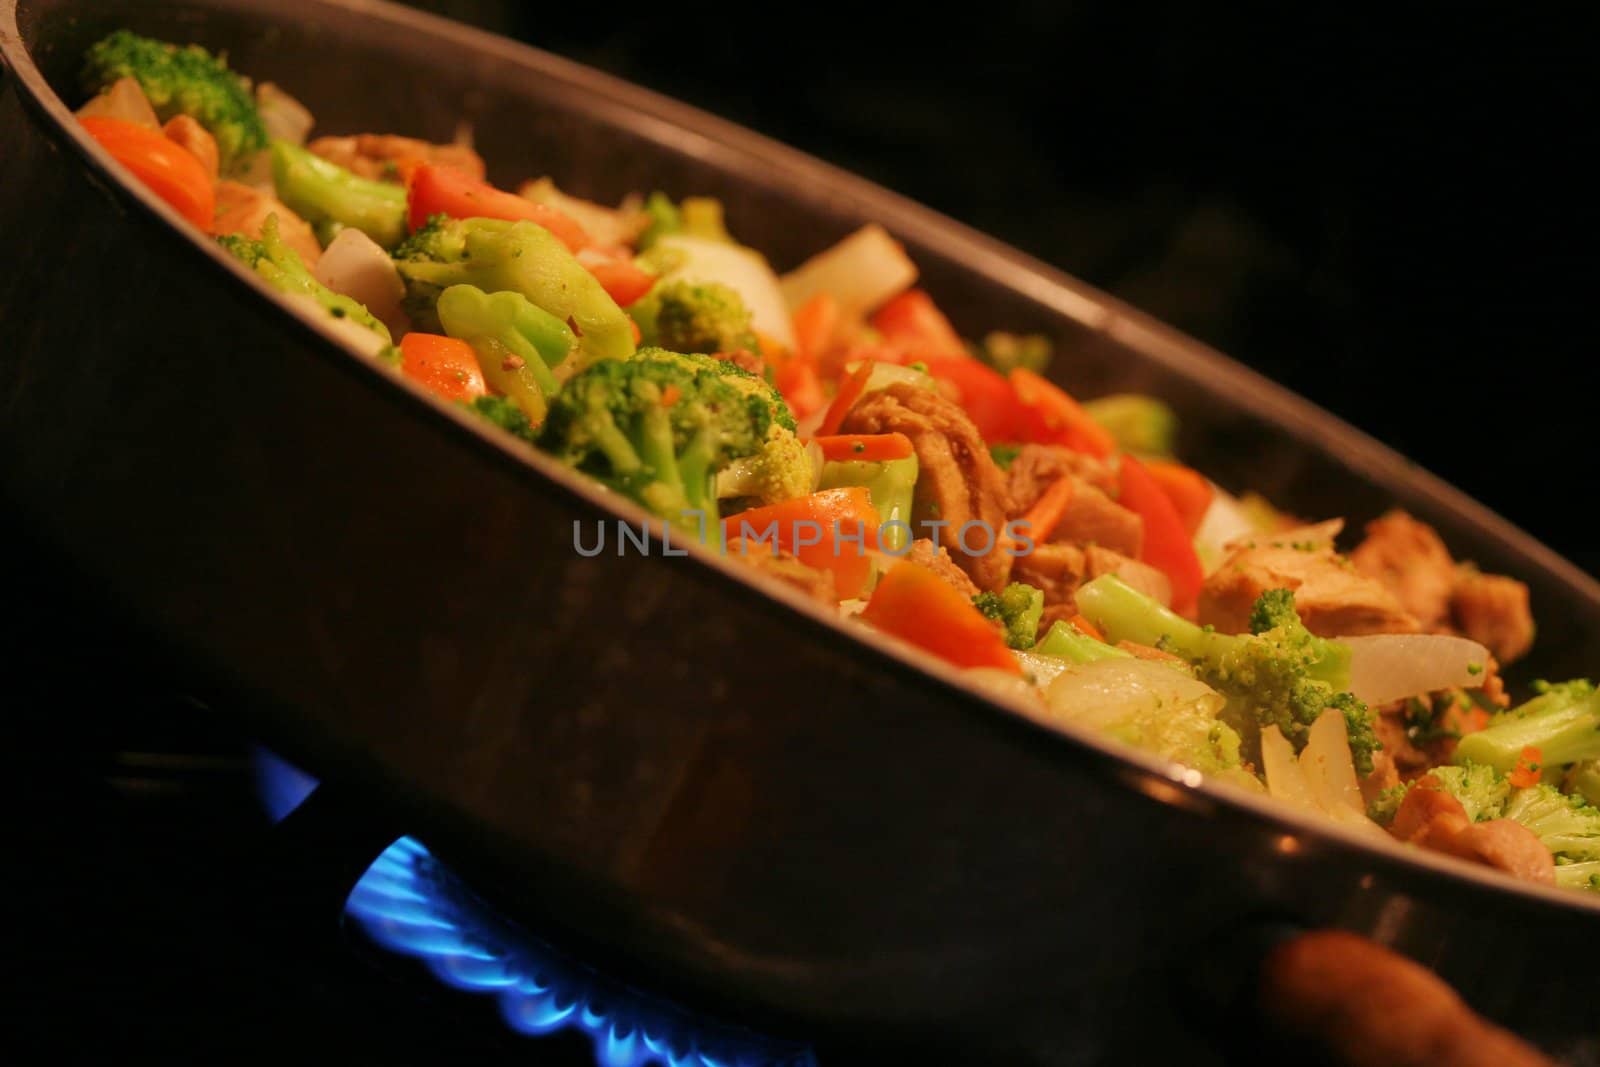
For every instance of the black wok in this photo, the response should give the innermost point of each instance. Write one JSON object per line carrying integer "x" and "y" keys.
{"x": 686, "y": 770}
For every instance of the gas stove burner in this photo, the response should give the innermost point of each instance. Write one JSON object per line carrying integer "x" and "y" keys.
{"x": 411, "y": 904}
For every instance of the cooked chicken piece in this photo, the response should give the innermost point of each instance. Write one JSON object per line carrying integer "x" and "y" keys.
{"x": 1330, "y": 596}
{"x": 1304, "y": 536}
{"x": 1434, "y": 819}
{"x": 1093, "y": 518}
{"x": 1141, "y": 576}
{"x": 958, "y": 482}
{"x": 1038, "y": 467}
{"x": 1058, "y": 570}
{"x": 771, "y": 560}
{"x": 1408, "y": 557}
{"x": 939, "y": 562}
{"x": 1423, "y": 732}
{"x": 196, "y": 139}
{"x": 1493, "y": 610}
{"x": 242, "y": 209}
{"x": 380, "y": 155}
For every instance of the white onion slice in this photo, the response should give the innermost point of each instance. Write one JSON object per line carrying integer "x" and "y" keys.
{"x": 1329, "y": 768}
{"x": 1106, "y": 693}
{"x": 860, "y": 272}
{"x": 1389, "y": 667}
{"x": 354, "y": 265}
{"x": 285, "y": 118}
{"x": 1285, "y": 780}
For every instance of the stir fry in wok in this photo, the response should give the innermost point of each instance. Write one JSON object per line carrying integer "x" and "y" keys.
{"x": 830, "y": 427}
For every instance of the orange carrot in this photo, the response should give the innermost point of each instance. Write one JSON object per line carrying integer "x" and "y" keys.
{"x": 834, "y": 530}
{"x": 1527, "y": 771}
{"x": 162, "y": 165}
{"x": 1045, "y": 515}
{"x": 871, "y": 447}
{"x": 1087, "y": 628}
{"x": 916, "y": 605}
{"x": 445, "y": 365}
{"x": 850, "y": 391}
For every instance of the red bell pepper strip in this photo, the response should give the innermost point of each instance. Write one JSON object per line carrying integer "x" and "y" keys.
{"x": 912, "y": 321}
{"x": 1187, "y": 488}
{"x": 1063, "y": 416}
{"x": 445, "y": 365}
{"x": 165, "y": 167}
{"x": 834, "y": 531}
{"x": 867, "y": 447}
{"x": 984, "y": 394}
{"x": 916, "y": 605}
{"x": 435, "y": 190}
{"x": 1167, "y": 546}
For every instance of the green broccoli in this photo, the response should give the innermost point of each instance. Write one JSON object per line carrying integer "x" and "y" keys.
{"x": 657, "y": 430}
{"x": 517, "y": 343}
{"x": 504, "y": 413}
{"x": 781, "y": 469}
{"x": 521, "y": 257}
{"x": 1007, "y": 351}
{"x": 331, "y": 198}
{"x": 1004, "y": 455}
{"x": 1017, "y": 608}
{"x": 1563, "y": 723}
{"x": 704, "y": 317}
{"x": 892, "y": 485}
{"x": 1482, "y": 791}
{"x": 1568, "y": 826}
{"x": 1584, "y": 780}
{"x": 182, "y": 81}
{"x": 1278, "y": 674}
{"x": 1067, "y": 642}
{"x": 664, "y": 219}
{"x": 283, "y": 269}
{"x": 1139, "y": 424}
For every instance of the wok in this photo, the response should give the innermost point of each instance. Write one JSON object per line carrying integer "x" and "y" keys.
{"x": 693, "y": 774}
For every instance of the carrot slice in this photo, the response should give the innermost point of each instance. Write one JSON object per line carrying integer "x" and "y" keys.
{"x": 162, "y": 165}
{"x": 814, "y": 324}
{"x": 1087, "y": 628}
{"x": 1527, "y": 772}
{"x": 445, "y": 365}
{"x": 1186, "y": 487}
{"x": 1041, "y": 520}
{"x": 850, "y": 391}
{"x": 835, "y": 530}
{"x": 435, "y": 190}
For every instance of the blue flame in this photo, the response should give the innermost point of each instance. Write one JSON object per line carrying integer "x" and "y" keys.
{"x": 411, "y": 904}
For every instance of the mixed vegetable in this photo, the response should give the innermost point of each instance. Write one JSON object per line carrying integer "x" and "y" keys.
{"x": 831, "y": 427}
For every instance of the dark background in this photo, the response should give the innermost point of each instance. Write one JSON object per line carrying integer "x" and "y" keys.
{"x": 1385, "y": 215}
{"x": 1381, "y": 210}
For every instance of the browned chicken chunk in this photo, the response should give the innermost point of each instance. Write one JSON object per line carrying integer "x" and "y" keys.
{"x": 379, "y": 155}
{"x": 243, "y": 209}
{"x": 1433, "y": 819}
{"x": 937, "y": 560}
{"x": 1038, "y": 467}
{"x": 1493, "y": 610}
{"x": 1408, "y": 557}
{"x": 1331, "y": 597}
{"x": 1141, "y": 576}
{"x": 961, "y": 497}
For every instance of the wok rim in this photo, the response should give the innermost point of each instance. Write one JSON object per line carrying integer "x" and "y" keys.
{"x": 1169, "y": 783}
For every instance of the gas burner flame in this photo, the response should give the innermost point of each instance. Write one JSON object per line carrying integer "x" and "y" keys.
{"x": 411, "y": 904}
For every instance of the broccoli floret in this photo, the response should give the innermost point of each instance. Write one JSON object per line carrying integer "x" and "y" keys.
{"x": 505, "y": 414}
{"x": 282, "y": 268}
{"x": 1568, "y": 826}
{"x": 520, "y": 257}
{"x": 664, "y": 219}
{"x": 1279, "y": 674}
{"x": 781, "y": 469}
{"x": 1006, "y": 352}
{"x": 182, "y": 81}
{"x": 331, "y": 198}
{"x": 1482, "y": 791}
{"x": 1069, "y": 643}
{"x": 517, "y": 343}
{"x": 1017, "y": 608}
{"x": 1584, "y": 780}
{"x": 657, "y": 430}
{"x": 685, "y": 316}
{"x": 1138, "y": 423}
{"x": 1563, "y": 723}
